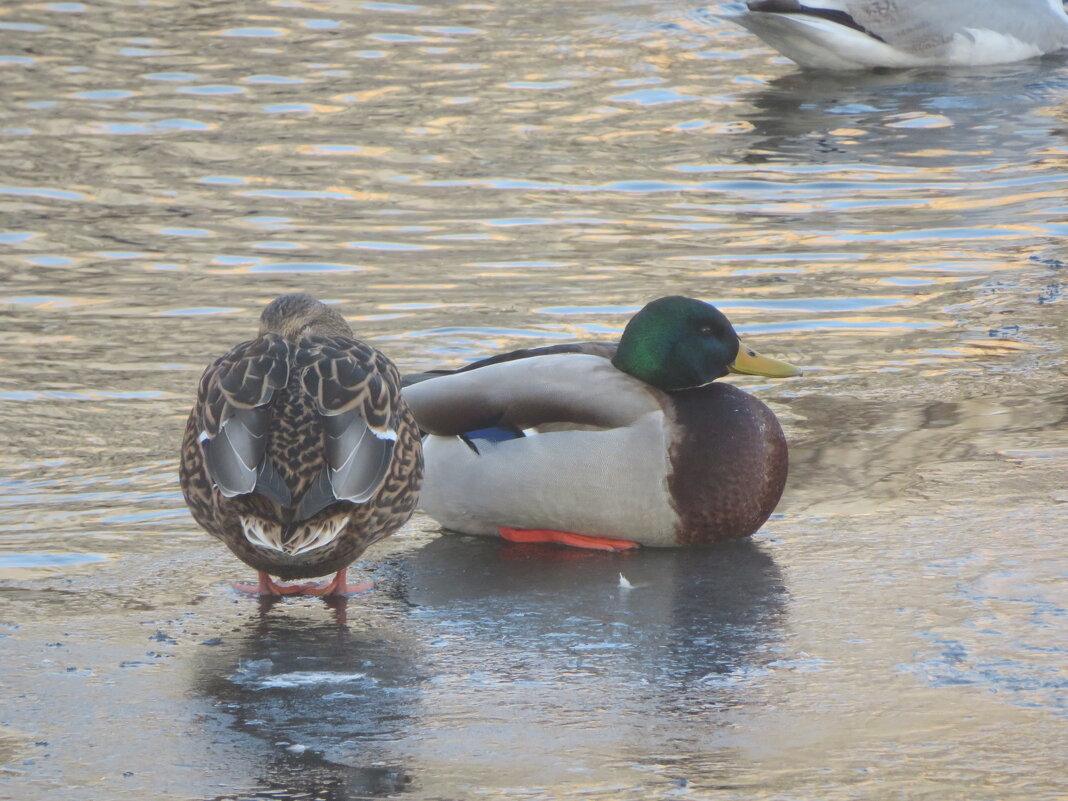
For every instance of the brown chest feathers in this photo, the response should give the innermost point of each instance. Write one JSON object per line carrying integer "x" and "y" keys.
{"x": 729, "y": 464}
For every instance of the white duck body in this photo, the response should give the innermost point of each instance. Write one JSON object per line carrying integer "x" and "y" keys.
{"x": 866, "y": 34}
{"x": 570, "y": 480}
{"x": 526, "y": 481}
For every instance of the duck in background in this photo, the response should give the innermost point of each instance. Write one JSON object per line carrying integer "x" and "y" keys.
{"x": 300, "y": 451}
{"x": 867, "y": 34}
{"x": 606, "y": 446}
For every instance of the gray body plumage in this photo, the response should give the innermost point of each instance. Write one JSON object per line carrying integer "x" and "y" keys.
{"x": 605, "y": 454}
{"x": 857, "y": 34}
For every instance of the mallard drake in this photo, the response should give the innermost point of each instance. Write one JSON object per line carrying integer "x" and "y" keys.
{"x": 300, "y": 450}
{"x": 861, "y": 34}
{"x": 606, "y": 445}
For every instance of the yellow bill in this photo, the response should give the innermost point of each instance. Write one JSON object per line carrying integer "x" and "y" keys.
{"x": 749, "y": 362}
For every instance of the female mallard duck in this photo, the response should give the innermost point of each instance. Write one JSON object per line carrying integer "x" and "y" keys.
{"x": 300, "y": 451}
{"x": 632, "y": 444}
{"x": 866, "y": 34}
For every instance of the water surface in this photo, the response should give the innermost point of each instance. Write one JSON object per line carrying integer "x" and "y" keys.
{"x": 466, "y": 177}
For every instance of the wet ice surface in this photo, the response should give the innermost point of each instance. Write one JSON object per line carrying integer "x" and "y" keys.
{"x": 477, "y": 668}
{"x": 463, "y": 179}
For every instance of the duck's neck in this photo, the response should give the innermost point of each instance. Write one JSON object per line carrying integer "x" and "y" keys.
{"x": 643, "y": 358}
{"x": 661, "y": 360}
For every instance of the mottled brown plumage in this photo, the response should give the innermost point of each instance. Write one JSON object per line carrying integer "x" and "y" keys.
{"x": 300, "y": 451}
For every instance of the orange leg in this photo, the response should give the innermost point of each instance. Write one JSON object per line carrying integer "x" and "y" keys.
{"x": 337, "y": 586}
{"x": 565, "y": 538}
{"x": 268, "y": 586}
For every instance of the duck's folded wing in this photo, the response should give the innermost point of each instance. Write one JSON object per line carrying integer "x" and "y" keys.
{"x": 234, "y": 402}
{"x": 355, "y": 390}
{"x": 606, "y": 350}
{"x": 929, "y": 28}
{"x": 837, "y": 11}
{"x": 571, "y": 388}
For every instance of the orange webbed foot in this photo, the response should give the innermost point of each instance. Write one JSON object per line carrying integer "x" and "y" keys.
{"x": 336, "y": 586}
{"x": 268, "y": 586}
{"x": 568, "y": 538}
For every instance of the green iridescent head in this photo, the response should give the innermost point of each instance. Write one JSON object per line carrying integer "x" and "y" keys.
{"x": 677, "y": 343}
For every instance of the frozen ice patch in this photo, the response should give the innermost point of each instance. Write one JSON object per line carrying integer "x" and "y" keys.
{"x": 257, "y": 676}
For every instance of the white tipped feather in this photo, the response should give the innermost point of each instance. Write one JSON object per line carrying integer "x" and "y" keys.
{"x": 309, "y": 537}
{"x": 260, "y": 532}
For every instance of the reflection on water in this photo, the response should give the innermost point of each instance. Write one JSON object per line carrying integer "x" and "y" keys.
{"x": 463, "y": 178}
{"x": 915, "y": 452}
{"x": 566, "y": 663}
{"x": 326, "y": 700}
{"x": 687, "y": 618}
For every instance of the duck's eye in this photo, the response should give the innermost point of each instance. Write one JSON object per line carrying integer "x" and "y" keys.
{"x": 705, "y": 329}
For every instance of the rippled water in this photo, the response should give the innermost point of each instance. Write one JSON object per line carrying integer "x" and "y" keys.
{"x": 466, "y": 177}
